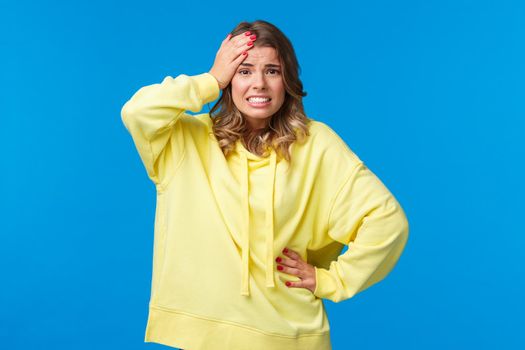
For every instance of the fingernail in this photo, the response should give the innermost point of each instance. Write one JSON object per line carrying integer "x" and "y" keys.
{"x": 247, "y": 33}
{"x": 279, "y": 267}
{"x": 285, "y": 250}
{"x": 253, "y": 37}
{"x": 288, "y": 284}
{"x": 278, "y": 259}
{"x": 250, "y": 43}
{"x": 245, "y": 53}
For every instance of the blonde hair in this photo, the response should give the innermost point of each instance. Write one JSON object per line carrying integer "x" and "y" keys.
{"x": 288, "y": 125}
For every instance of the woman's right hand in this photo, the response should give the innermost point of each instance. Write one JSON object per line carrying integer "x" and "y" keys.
{"x": 230, "y": 56}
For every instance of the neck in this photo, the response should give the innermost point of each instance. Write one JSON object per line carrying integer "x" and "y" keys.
{"x": 255, "y": 123}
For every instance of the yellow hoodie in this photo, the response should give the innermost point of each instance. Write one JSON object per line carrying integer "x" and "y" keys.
{"x": 221, "y": 221}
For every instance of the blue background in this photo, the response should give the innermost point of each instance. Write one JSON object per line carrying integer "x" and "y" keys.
{"x": 428, "y": 93}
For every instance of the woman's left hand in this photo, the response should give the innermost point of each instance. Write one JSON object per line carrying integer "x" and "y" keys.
{"x": 293, "y": 264}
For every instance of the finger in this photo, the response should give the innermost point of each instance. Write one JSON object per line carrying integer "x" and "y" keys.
{"x": 289, "y": 270}
{"x": 292, "y": 254}
{"x": 241, "y": 57}
{"x": 234, "y": 39}
{"x": 244, "y": 44}
{"x": 287, "y": 262}
{"x": 241, "y": 36}
{"x": 242, "y": 39}
{"x": 238, "y": 55}
{"x": 296, "y": 284}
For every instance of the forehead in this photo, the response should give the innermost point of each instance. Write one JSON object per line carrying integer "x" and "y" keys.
{"x": 262, "y": 56}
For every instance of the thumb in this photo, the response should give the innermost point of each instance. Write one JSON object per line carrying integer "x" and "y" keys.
{"x": 227, "y": 38}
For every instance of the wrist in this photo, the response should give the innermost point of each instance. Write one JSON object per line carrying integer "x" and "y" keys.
{"x": 218, "y": 81}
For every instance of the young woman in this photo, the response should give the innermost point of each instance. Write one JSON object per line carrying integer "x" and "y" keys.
{"x": 255, "y": 202}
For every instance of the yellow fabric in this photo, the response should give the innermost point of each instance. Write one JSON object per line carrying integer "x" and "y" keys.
{"x": 220, "y": 222}
{"x": 257, "y": 162}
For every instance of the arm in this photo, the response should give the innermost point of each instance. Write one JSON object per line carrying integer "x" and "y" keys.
{"x": 152, "y": 113}
{"x": 366, "y": 217}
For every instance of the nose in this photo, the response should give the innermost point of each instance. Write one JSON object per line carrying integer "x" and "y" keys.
{"x": 259, "y": 81}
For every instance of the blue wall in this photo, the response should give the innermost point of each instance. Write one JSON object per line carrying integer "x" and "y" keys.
{"x": 428, "y": 93}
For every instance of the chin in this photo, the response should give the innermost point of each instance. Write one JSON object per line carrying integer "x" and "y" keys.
{"x": 259, "y": 115}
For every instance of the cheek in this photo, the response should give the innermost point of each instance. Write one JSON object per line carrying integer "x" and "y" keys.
{"x": 236, "y": 94}
{"x": 238, "y": 90}
{"x": 279, "y": 88}
{"x": 281, "y": 92}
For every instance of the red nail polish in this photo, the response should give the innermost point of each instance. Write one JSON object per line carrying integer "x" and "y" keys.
{"x": 247, "y": 33}
{"x": 288, "y": 284}
{"x": 278, "y": 259}
{"x": 285, "y": 250}
{"x": 279, "y": 267}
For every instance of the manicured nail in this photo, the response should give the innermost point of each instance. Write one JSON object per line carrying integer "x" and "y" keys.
{"x": 247, "y": 33}
{"x": 278, "y": 259}
{"x": 285, "y": 250}
{"x": 288, "y": 283}
{"x": 250, "y": 43}
{"x": 245, "y": 53}
{"x": 253, "y": 37}
{"x": 279, "y": 267}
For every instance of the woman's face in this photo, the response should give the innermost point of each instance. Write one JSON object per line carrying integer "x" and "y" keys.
{"x": 258, "y": 75}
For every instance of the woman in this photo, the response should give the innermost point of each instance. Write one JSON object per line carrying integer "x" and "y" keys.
{"x": 255, "y": 202}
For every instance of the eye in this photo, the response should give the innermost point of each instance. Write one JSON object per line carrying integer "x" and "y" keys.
{"x": 269, "y": 70}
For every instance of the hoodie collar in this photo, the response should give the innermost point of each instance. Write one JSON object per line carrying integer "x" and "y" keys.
{"x": 270, "y": 190}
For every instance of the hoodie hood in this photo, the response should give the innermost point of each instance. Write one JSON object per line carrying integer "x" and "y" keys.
{"x": 255, "y": 160}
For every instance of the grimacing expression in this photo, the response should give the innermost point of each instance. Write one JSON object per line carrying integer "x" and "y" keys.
{"x": 260, "y": 74}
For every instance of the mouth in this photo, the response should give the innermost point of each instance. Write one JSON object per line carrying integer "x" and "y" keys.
{"x": 258, "y": 103}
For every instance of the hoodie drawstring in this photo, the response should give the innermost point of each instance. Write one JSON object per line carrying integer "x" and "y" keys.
{"x": 269, "y": 229}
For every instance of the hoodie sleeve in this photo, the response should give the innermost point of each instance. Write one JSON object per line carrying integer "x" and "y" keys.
{"x": 152, "y": 113}
{"x": 365, "y": 216}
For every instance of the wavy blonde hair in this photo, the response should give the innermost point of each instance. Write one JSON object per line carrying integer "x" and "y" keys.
{"x": 288, "y": 125}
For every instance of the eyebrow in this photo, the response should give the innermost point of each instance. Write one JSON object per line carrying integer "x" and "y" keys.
{"x": 267, "y": 65}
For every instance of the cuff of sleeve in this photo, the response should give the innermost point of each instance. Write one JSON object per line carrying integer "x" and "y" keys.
{"x": 208, "y": 87}
{"x": 324, "y": 284}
